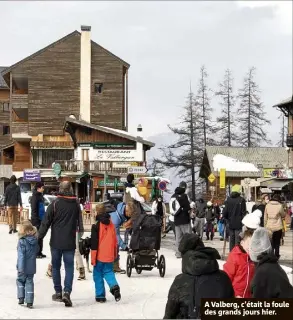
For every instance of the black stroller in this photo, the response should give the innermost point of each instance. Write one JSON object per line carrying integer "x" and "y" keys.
{"x": 145, "y": 245}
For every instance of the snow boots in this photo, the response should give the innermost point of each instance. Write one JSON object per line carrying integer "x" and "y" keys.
{"x": 49, "y": 271}
{"x": 81, "y": 274}
{"x": 116, "y": 293}
{"x": 117, "y": 268}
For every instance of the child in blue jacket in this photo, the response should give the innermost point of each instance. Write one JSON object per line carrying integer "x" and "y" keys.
{"x": 27, "y": 249}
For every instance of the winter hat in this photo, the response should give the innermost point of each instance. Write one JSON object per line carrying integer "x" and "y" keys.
{"x": 183, "y": 185}
{"x": 236, "y": 188}
{"x": 260, "y": 243}
{"x": 209, "y": 204}
{"x": 252, "y": 220}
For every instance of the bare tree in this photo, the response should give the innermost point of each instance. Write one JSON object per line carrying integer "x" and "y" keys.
{"x": 225, "y": 123}
{"x": 283, "y": 131}
{"x": 157, "y": 169}
{"x": 203, "y": 101}
{"x": 185, "y": 155}
{"x": 251, "y": 114}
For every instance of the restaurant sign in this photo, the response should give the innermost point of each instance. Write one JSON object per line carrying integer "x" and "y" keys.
{"x": 116, "y": 155}
{"x": 110, "y": 184}
{"x": 32, "y": 175}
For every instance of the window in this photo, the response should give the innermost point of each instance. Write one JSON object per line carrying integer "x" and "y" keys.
{"x": 6, "y": 107}
{"x": 98, "y": 87}
{"x": 6, "y": 130}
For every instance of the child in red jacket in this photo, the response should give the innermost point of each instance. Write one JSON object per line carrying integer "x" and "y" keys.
{"x": 239, "y": 266}
{"x": 103, "y": 253}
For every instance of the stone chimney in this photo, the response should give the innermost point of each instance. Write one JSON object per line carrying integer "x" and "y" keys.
{"x": 85, "y": 74}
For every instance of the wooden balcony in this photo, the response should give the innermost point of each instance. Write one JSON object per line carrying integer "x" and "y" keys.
{"x": 91, "y": 166}
{"x": 5, "y": 171}
{"x": 19, "y": 100}
{"x": 289, "y": 141}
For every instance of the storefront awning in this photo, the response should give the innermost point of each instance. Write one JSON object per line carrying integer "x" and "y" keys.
{"x": 276, "y": 184}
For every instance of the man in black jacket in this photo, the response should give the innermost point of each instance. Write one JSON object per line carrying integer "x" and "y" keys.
{"x": 12, "y": 199}
{"x": 65, "y": 219}
{"x": 182, "y": 216}
{"x": 38, "y": 213}
{"x": 234, "y": 212}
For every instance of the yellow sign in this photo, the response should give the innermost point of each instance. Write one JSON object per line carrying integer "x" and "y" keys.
{"x": 211, "y": 178}
{"x": 222, "y": 178}
{"x": 268, "y": 173}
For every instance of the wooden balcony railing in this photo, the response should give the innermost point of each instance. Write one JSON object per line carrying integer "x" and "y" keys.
{"x": 90, "y": 166}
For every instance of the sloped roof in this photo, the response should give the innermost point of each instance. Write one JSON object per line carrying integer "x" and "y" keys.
{"x": 116, "y": 132}
{"x": 268, "y": 158}
{"x": 285, "y": 106}
{"x": 283, "y": 102}
{"x": 3, "y": 84}
{"x": 8, "y": 69}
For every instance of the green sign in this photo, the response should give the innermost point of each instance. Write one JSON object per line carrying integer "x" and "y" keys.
{"x": 110, "y": 145}
{"x": 110, "y": 184}
{"x": 57, "y": 170}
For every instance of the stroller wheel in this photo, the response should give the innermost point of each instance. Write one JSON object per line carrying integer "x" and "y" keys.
{"x": 138, "y": 270}
{"x": 129, "y": 266}
{"x": 162, "y": 266}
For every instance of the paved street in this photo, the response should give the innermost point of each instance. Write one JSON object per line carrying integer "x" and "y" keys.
{"x": 143, "y": 296}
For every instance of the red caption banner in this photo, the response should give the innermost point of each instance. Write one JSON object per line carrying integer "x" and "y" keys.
{"x": 254, "y": 308}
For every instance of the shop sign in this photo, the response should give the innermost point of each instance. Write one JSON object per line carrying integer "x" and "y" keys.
{"x": 101, "y": 183}
{"x": 269, "y": 173}
{"x": 112, "y": 145}
{"x": 32, "y": 175}
{"x": 116, "y": 155}
{"x": 278, "y": 173}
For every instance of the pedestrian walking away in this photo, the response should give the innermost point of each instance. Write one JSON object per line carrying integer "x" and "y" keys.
{"x": 270, "y": 280}
{"x": 64, "y": 218}
{"x": 261, "y": 205}
{"x": 239, "y": 266}
{"x": 200, "y": 217}
{"x": 200, "y": 278}
{"x": 234, "y": 211}
{"x": 27, "y": 248}
{"x": 159, "y": 209}
{"x": 273, "y": 222}
{"x": 12, "y": 199}
{"x": 103, "y": 253}
{"x": 210, "y": 217}
{"x": 182, "y": 215}
{"x": 38, "y": 212}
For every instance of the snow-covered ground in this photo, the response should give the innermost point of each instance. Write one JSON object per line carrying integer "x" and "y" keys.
{"x": 144, "y": 296}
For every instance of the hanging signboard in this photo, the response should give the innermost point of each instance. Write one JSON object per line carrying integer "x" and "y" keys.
{"x": 222, "y": 178}
{"x": 32, "y": 175}
{"x": 116, "y": 155}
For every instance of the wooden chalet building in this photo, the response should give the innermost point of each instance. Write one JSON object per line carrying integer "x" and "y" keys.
{"x": 73, "y": 77}
{"x": 239, "y": 163}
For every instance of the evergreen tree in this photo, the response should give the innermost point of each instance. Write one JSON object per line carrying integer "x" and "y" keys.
{"x": 251, "y": 114}
{"x": 283, "y": 131}
{"x": 185, "y": 154}
{"x": 225, "y": 123}
{"x": 203, "y": 102}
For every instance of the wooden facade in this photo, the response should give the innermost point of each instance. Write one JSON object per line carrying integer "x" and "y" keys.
{"x": 4, "y": 117}
{"x": 22, "y": 156}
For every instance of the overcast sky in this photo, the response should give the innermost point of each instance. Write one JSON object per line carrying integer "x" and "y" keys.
{"x": 165, "y": 44}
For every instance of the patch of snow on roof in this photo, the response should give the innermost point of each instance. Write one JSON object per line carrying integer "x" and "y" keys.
{"x": 230, "y": 164}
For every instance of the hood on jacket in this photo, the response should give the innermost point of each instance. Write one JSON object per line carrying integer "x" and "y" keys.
{"x": 32, "y": 235}
{"x": 235, "y": 194}
{"x": 274, "y": 203}
{"x": 67, "y": 197}
{"x": 200, "y": 261}
{"x": 104, "y": 218}
{"x": 267, "y": 258}
{"x": 179, "y": 191}
{"x": 190, "y": 241}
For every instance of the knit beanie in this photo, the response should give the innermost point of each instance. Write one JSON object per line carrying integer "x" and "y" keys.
{"x": 260, "y": 243}
{"x": 252, "y": 220}
{"x": 236, "y": 188}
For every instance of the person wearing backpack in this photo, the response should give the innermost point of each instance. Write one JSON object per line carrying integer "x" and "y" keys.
{"x": 200, "y": 278}
{"x": 234, "y": 211}
{"x": 261, "y": 205}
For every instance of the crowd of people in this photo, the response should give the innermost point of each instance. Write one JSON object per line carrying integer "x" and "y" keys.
{"x": 251, "y": 268}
